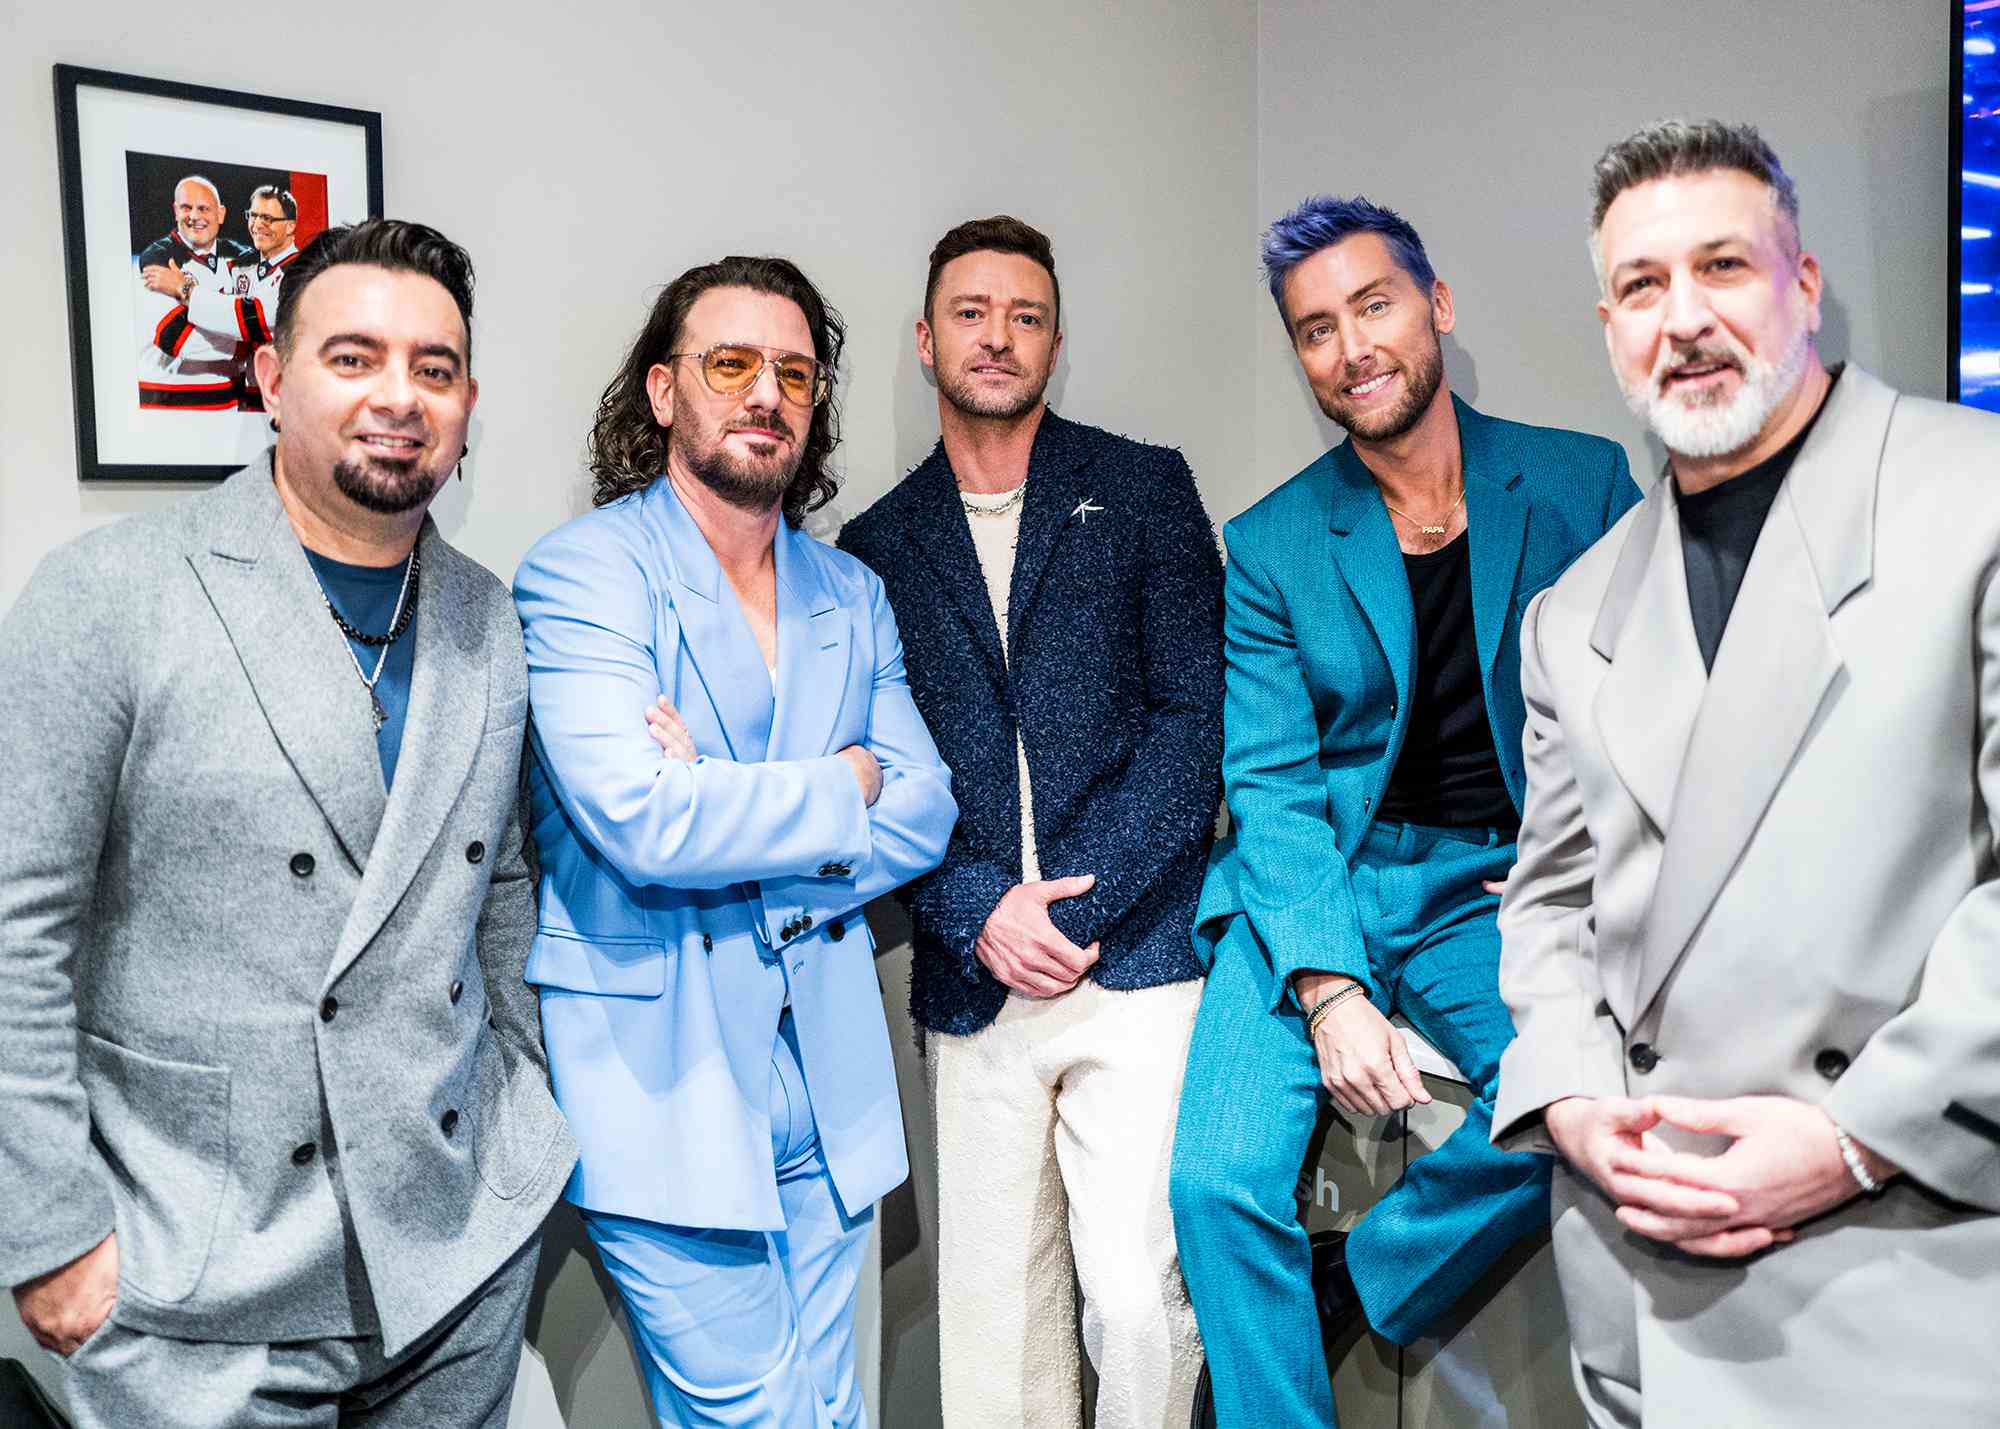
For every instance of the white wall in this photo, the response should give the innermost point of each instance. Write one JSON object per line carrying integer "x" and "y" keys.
{"x": 1480, "y": 124}
{"x": 587, "y": 156}
{"x": 577, "y": 155}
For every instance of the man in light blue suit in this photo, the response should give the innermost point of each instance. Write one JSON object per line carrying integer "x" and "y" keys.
{"x": 1372, "y": 766}
{"x": 727, "y": 766}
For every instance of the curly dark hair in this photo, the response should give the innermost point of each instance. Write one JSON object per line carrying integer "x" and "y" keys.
{"x": 628, "y": 449}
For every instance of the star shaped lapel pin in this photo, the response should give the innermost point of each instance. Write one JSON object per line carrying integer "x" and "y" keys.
{"x": 1084, "y": 508}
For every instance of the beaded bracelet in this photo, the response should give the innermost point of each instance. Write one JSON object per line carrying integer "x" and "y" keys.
{"x": 1327, "y": 1004}
{"x": 1855, "y": 1166}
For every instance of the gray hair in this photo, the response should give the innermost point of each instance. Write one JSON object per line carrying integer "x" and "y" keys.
{"x": 1670, "y": 148}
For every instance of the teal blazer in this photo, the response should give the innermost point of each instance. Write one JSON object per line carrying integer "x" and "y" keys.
{"x": 1320, "y": 640}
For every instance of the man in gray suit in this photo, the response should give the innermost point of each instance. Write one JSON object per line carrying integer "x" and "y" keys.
{"x": 275, "y": 1135}
{"x": 1752, "y": 941}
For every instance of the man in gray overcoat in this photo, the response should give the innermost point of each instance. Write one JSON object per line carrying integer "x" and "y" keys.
{"x": 1751, "y": 941}
{"x": 275, "y": 1135}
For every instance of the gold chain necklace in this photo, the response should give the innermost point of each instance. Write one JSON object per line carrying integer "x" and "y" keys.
{"x": 1424, "y": 530}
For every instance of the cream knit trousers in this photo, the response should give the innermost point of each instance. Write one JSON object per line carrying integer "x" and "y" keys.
{"x": 1055, "y": 1132}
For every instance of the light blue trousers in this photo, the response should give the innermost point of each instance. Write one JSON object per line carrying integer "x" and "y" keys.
{"x": 742, "y": 1328}
{"x": 1252, "y": 1099}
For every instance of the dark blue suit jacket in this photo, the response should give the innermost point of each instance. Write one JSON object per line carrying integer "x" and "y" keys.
{"x": 1114, "y": 681}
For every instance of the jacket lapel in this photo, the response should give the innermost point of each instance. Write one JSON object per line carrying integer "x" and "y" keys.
{"x": 814, "y": 643}
{"x": 1645, "y": 709}
{"x": 936, "y": 528}
{"x": 297, "y": 663}
{"x": 1364, "y": 549}
{"x": 1056, "y": 468}
{"x": 1773, "y": 670}
{"x": 447, "y": 718}
{"x": 714, "y": 633}
{"x": 1496, "y": 524}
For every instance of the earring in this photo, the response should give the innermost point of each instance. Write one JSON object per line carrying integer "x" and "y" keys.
{"x": 463, "y": 453}
{"x": 274, "y": 425}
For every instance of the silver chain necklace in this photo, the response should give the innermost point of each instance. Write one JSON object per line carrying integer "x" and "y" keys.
{"x": 1014, "y": 498}
{"x": 368, "y": 681}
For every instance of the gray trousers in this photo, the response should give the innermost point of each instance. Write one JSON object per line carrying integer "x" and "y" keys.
{"x": 460, "y": 1376}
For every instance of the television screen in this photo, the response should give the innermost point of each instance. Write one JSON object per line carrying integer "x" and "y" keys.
{"x": 1975, "y": 377}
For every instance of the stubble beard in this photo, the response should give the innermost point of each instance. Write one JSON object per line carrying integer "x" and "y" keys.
{"x": 964, "y": 395}
{"x": 1711, "y": 426}
{"x": 1421, "y": 387}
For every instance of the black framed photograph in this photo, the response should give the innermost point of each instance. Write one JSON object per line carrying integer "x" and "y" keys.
{"x": 182, "y": 208}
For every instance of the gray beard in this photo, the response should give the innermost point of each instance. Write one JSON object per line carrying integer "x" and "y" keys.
{"x": 1721, "y": 429}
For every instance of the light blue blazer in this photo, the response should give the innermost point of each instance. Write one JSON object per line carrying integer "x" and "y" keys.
{"x": 679, "y": 900}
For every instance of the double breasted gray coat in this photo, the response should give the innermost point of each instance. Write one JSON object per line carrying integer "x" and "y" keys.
{"x": 238, "y": 982}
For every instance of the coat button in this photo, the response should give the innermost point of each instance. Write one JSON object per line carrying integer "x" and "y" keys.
{"x": 475, "y": 851}
{"x": 836, "y": 930}
{"x": 707, "y": 943}
{"x": 302, "y": 865}
{"x": 1368, "y": 802}
{"x": 1830, "y": 1063}
{"x": 805, "y": 921}
{"x": 1643, "y": 1057}
{"x": 789, "y": 931}
{"x": 449, "y": 1122}
{"x": 328, "y": 1007}
{"x": 457, "y": 991}
{"x": 303, "y": 1155}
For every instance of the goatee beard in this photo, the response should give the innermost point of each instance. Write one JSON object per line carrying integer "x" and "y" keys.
{"x": 377, "y": 486}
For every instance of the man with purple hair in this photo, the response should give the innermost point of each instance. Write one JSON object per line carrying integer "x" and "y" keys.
{"x": 1372, "y": 766}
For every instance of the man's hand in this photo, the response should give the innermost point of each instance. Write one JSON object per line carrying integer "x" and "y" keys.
{"x": 1021, "y": 947}
{"x": 164, "y": 278}
{"x": 1364, "y": 1063}
{"x": 63, "y": 1308}
{"x": 670, "y": 731}
{"x": 1783, "y": 1167}
{"x": 867, "y": 772}
{"x": 1610, "y": 1140}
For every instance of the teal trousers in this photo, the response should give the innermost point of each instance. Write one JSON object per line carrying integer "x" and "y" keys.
{"x": 1253, "y": 1097}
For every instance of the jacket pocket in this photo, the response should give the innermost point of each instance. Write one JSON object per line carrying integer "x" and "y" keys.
{"x": 162, "y": 1129}
{"x": 514, "y": 1121}
{"x": 606, "y": 966}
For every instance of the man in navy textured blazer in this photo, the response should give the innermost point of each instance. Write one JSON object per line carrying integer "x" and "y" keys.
{"x": 1373, "y": 770}
{"x": 1059, "y": 593}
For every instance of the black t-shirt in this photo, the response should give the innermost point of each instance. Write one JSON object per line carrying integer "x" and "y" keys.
{"x": 1719, "y": 530}
{"x": 1448, "y": 773}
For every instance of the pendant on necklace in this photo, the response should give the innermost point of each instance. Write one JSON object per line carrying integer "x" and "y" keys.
{"x": 1432, "y": 530}
{"x": 381, "y": 714}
